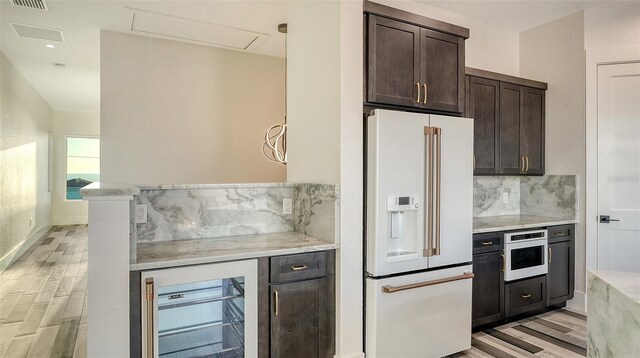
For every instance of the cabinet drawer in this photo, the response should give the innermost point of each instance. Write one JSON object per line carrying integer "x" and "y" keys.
{"x": 524, "y": 296}
{"x": 487, "y": 242}
{"x": 298, "y": 267}
{"x": 560, "y": 233}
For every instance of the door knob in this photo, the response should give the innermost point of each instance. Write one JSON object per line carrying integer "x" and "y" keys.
{"x": 605, "y": 219}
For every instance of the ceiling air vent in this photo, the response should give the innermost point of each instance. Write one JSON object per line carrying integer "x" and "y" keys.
{"x": 31, "y": 4}
{"x": 38, "y": 32}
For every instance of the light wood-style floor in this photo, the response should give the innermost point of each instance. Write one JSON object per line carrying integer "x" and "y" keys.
{"x": 43, "y": 298}
{"x": 43, "y": 310}
{"x": 556, "y": 334}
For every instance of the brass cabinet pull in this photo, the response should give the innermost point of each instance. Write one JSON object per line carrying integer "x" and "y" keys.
{"x": 549, "y": 251}
{"x": 486, "y": 243}
{"x": 559, "y": 233}
{"x": 425, "y": 93}
{"x": 521, "y": 164}
{"x": 298, "y": 267}
{"x": 150, "y": 329}
{"x": 418, "y": 98}
{"x": 275, "y": 302}
{"x": 525, "y": 295}
{"x": 392, "y": 289}
{"x": 428, "y": 165}
{"x": 527, "y": 161}
{"x": 474, "y": 162}
{"x": 504, "y": 261}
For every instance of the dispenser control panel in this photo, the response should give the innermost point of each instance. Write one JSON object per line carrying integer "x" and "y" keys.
{"x": 402, "y": 203}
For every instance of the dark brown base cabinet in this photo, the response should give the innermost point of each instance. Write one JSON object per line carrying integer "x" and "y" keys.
{"x": 509, "y": 123}
{"x": 496, "y": 301}
{"x": 299, "y": 320}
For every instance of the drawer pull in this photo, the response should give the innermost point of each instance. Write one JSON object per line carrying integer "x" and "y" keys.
{"x": 559, "y": 233}
{"x": 487, "y": 243}
{"x": 525, "y": 295}
{"x": 298, "y": 267}
{"x": 392, "y": 289}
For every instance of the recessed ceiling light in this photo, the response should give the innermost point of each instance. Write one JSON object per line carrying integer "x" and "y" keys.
{"x": 49, "y": 46}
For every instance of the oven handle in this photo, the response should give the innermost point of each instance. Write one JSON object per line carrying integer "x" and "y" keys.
{"x": 392, "y": 289}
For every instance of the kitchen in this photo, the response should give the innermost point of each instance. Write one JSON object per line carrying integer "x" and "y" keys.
{"x": 322, "y": 148}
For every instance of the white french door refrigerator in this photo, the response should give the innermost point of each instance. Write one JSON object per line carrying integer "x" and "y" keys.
{"x": 418, "y": 235}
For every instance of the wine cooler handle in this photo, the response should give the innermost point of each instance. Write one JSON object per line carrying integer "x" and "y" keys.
{"x": 150, "y": 295}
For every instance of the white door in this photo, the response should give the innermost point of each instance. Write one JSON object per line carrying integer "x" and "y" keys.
{"x": 455, "y": 204}
{"x": 619, "y": 167}
{"x": 421, "y": 315}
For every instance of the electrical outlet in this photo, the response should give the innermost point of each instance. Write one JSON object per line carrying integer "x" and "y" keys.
{"x": 287, "y": 206}
{"x": 505, "y": 198}
{"x": 141, "y": 214}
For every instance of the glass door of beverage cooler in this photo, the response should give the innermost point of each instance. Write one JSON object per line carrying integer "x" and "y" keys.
{"x": 201, "y": 311}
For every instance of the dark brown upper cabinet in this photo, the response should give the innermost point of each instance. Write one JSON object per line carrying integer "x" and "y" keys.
{"x": 482, "y": 104}
{"x": 508, "y": 113}
{"x": 413, "y": 61}
{"x": 394, "y": 62}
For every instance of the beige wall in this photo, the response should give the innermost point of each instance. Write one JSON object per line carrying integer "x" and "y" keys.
{"x": 69, "y": 212}
{"x": 25, "y": 201}
{"x": 179, "y": 113}
{"x": 554, "y": 53}
{"x": 612, "y": 27}
{"x": 489, "y": 47}
{"x": 314, "y": 91}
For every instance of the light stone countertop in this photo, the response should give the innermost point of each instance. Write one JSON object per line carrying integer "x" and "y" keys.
{"x": 513, "y": 222}
{"x": 216, "y": 186}
{"x": 102, "y": 189}
{"x": 628, "y": 283}
{"x": 614, "y": 314}
{"x": 163, "y": 254}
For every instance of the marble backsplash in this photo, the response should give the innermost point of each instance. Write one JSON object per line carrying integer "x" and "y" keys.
{"x": 549, "y": 195}
{"x": 211, "y": 211}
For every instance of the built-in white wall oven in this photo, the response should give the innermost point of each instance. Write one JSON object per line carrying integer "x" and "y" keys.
{"x": 525, "y": 254}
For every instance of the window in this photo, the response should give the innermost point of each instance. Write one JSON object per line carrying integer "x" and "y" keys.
{"x": 83, "y": 164}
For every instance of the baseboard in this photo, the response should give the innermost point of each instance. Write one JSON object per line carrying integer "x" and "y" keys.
{"x": 578, "y": 303}
{"x": 353, "y": 355}
{"x": 21, "y": 248}
{"x": 71, "y": 220}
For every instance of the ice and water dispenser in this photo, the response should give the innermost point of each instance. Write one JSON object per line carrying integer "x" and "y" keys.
{"x": 402, "y": 227}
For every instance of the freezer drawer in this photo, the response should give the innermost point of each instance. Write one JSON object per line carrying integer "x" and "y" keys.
{"x": 406, "y": 320}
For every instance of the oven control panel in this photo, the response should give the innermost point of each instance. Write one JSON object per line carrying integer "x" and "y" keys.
{"x": 525, "y": 236}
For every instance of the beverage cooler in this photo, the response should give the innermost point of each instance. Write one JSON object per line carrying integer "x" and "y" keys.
{"x": 200, "y": 311}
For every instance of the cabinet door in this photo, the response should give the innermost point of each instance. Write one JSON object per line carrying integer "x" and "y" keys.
{"x": 560, "y": 279}
{"x": 441, "y": 71}
{"x": 295, "y": 319}
{"x": 510, "y": 129}
{"x": 393, "y": 62}
{"x": 532, "y": 141}
{"x": 488, "y": 288}
{"x": 483, "y": 97}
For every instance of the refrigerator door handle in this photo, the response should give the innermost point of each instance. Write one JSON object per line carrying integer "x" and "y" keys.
{"x": 438, "y": 136}
{"x": 428, "y": 168}
{"x": 393, "y": 289}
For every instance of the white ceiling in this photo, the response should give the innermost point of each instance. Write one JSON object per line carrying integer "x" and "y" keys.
{"x": 520, "y": 15}
{"x": 76, "y": 87}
